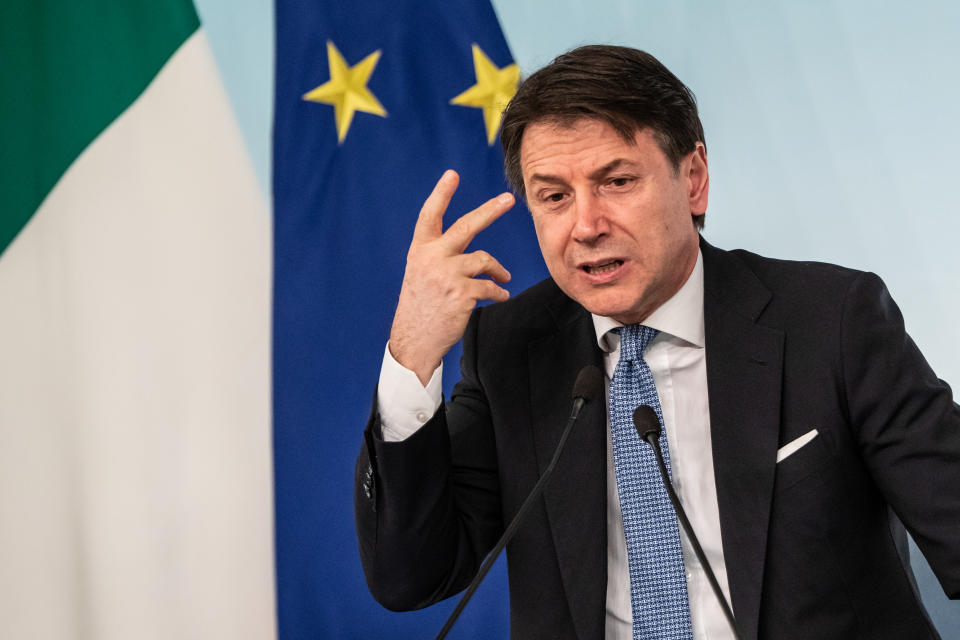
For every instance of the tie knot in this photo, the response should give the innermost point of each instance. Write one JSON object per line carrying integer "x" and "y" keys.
{"x": 634, "y": 339}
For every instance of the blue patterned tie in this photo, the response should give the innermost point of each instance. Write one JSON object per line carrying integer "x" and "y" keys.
{"x": 658, "y": 589}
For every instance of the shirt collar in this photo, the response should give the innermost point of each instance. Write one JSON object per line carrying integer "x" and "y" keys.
{"x": 681, "y": 316}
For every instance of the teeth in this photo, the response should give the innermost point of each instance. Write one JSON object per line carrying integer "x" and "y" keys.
{"x": 603, "y": 268}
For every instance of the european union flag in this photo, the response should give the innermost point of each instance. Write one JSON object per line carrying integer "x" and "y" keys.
{"x": 374, "y": 101}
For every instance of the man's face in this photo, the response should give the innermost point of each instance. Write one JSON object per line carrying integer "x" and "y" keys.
{"x": 613, "y": 218}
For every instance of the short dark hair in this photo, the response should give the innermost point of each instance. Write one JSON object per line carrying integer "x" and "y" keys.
{"x": 628, "y": 89}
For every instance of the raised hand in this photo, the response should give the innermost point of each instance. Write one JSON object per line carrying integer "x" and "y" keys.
{"x": 440, "y": 284}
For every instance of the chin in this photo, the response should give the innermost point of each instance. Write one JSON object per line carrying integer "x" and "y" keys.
{"x": 605, "y": 307}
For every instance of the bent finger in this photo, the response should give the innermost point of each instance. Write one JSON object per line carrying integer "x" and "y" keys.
{"x": 489, "y": 290}
{"x": 482, "y": 263}
{"x": 430, "y": 221}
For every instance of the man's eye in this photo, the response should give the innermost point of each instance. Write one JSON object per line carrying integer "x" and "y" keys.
{"x": 554, "y": 197}
{"x": 619, "y": 182}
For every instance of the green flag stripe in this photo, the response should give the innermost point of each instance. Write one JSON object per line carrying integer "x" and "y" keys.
{"x": 68, "y": 70}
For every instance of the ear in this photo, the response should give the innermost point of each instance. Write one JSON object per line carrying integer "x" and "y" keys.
{"x": 698, "y": 178}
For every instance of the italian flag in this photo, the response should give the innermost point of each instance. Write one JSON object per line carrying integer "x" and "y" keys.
{"x": 135, "y": 259}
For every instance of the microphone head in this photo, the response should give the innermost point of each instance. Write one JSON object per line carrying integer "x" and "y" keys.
{"x": 589, "y": 383}
{"x": 647, "y": 423}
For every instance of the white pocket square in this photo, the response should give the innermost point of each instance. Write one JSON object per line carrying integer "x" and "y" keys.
{"x": 792, "y": 447}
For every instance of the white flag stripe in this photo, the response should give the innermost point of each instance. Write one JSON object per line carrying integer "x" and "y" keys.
{"x": 135, "y": 479}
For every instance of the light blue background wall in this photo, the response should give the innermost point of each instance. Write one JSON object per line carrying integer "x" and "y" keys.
{"x": 831, "y": 129}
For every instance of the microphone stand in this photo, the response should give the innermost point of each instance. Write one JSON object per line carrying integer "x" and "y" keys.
{"x": 588, "y": 382}
{"x": 648, "y": 428}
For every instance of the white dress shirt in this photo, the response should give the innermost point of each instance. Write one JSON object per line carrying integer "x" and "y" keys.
{"x": 677, "y": 359}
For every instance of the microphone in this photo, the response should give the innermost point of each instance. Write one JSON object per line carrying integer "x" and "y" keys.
{"x": 588, "y": 386}
{"x": 648, "y": 427}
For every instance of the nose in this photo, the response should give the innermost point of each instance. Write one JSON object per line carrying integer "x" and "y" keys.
{"x": 591, "y": 222}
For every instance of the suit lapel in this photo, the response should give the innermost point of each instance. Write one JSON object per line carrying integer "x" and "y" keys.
{"x": 744, "y": 373}
{"x": 575, "y": 498}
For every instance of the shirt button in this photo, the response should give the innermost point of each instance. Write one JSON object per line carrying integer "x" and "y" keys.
{"x": 689, "y": 576}
{"x": 422, "y": 417}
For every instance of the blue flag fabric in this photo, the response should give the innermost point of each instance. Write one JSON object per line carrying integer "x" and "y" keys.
{"x": 364, "y": 127}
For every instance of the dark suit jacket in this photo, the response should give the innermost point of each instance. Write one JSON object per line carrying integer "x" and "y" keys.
{"x": 810, "y": 546}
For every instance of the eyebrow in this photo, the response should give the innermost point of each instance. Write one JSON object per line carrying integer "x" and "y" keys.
{"x": 611, "y": 166}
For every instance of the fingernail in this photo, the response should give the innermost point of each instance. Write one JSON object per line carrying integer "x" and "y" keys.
{"x": 505, "y": 198}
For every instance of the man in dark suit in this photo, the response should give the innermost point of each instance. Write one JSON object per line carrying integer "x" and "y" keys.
{"x": 799, "y": 415}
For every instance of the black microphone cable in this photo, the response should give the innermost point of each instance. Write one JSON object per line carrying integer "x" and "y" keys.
{"x": 648, "y": 428}
{"x": 588, "y": 386}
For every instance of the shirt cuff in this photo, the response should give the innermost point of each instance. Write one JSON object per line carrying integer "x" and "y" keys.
{"x": 403, "y": 403}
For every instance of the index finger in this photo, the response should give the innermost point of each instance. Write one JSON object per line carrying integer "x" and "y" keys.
{"x": 462, "y": 232}
{"x": 430, "y": 221}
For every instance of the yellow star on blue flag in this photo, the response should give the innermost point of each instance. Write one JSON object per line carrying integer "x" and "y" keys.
{"x": 493, "y": 90}
{"x": 347, "y": 89}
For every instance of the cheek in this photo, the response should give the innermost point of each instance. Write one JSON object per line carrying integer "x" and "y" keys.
{"x": 550, "y": 235}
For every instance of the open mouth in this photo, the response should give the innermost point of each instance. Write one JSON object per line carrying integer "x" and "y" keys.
{"x": 597, "y": 269}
